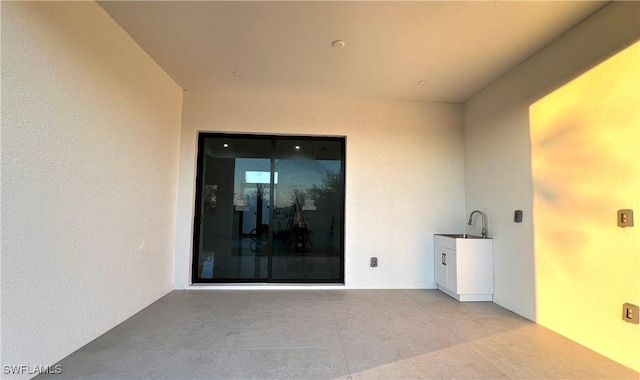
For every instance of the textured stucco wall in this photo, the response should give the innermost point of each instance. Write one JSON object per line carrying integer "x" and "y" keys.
{"x": 90, "y": 131}
{"x": 585, "y": 148}
{"x": 404, "y": 174}
{"x": 498, "y": 174}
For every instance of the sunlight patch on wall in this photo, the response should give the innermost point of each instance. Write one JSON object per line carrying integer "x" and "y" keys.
{"x": 585, "y": 156}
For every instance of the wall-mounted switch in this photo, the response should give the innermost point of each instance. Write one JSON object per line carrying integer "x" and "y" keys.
{"x": 517, "y": 216}
{"x": 374, "y": 262}
{"x": 625, "y": 218}
{"x": 631, "y": 313}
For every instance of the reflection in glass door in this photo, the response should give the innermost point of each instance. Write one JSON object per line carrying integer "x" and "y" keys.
{"x": 234, "y": 184}
{"x": 308, "y": 211}
{"x": 237, "y": 237}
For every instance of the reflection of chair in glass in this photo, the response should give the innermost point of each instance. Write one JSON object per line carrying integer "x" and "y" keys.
{"x": 259, "y": 238}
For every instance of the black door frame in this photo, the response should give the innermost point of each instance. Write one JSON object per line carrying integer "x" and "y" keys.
{"x": 195, "y": 278}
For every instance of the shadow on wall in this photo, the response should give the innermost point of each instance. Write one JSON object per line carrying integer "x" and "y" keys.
{"x": 585, "y": 156}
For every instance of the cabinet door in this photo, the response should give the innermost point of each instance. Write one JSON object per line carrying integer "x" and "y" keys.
{"x": 474, "y": 270}
{"x": 445, "y": 263}
{"x": 452, "y": 270}
{"x": 440, "y": 267}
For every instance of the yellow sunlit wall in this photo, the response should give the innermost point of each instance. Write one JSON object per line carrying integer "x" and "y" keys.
{"x": 585, "y": 140}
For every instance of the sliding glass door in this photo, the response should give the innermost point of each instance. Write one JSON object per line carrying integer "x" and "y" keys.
{"x": 269, "y": 209}
{"x": 232, "y": 209}
{"x": 308, "y": 220}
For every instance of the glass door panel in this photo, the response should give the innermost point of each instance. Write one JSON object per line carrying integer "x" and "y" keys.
{"x": 233, "y": 239}
{"x": 238, "y": 238}
{"x": 308, "y": 216}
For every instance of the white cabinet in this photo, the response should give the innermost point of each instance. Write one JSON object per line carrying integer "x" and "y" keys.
{"x": 464, "y": 267}
{"x": 446, "y": 268}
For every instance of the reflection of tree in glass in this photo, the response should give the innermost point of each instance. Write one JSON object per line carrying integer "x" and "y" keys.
{"x": 327, "y": 198}
{"x": 327, "y": 192}
{"x": 298, "y": 197}
{"x": 297, "y": 200}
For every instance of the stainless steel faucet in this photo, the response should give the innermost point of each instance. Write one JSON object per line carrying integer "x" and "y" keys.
{"x": 484, "y": 222}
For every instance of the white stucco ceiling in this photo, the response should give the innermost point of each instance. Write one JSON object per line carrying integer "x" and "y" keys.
{"x": 457, "y": 48}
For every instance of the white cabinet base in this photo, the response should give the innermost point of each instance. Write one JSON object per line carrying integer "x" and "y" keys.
{"x": 464, "y": 267}
{"x": 466, "y": 297}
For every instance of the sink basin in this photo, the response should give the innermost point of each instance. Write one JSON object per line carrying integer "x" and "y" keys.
{"x": 461, "y": 236}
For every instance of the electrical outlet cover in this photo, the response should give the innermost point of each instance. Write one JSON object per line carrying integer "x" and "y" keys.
{"x": 631, "y": 313}
{"x": 625, "y": 218}
{"x": 517, "y": 216}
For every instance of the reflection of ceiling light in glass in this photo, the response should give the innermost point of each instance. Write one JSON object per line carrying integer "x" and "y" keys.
{"x": 297, "y": 147}
{"x": 225, "y": 145}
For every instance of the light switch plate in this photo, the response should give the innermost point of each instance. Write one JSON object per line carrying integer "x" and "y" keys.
{"x": 625, "y": 218}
